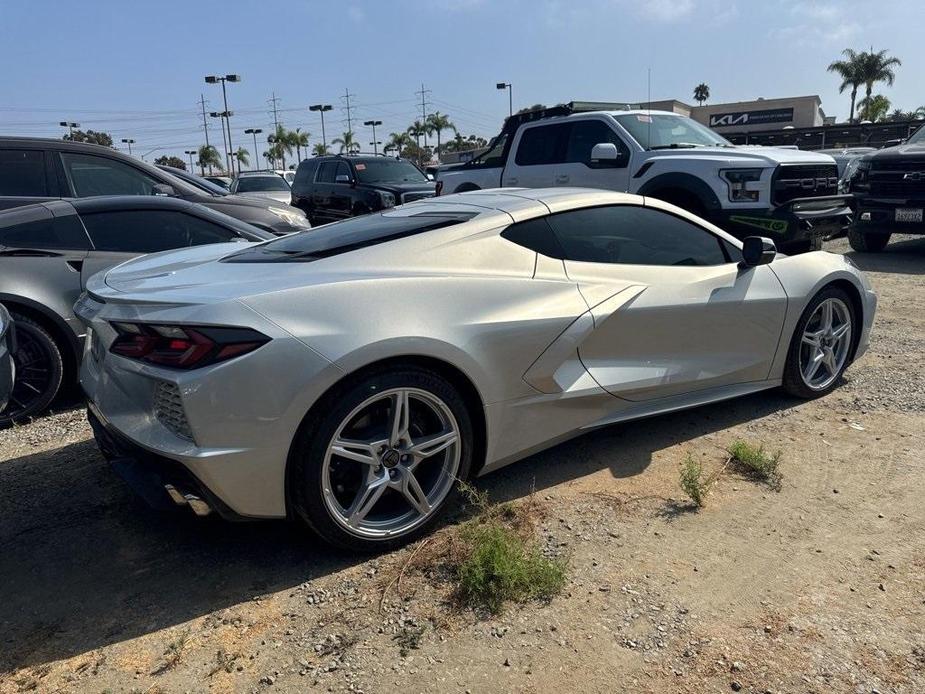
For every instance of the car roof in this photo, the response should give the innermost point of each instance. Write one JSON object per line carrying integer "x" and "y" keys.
{"x": 12, "y": 141}
{"x": 253, "y": 174}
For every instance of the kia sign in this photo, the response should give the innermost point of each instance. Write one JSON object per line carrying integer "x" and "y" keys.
{"x": 776, "y": 115}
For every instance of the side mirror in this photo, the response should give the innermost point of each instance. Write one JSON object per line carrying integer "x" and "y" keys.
{"x": 342, "y": 178}
{"x": 757, "y": 250}
{"x": 604, "y": 151}
{"x": 163, "y": 190}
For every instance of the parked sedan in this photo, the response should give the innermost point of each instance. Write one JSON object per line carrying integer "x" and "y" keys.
{"x": 262, "y": 184}
{"x": 47, "y": 253}
{"x": 349, "y": 376}
{"x": 7, "y": 369}
{"x": 40, "y": 169}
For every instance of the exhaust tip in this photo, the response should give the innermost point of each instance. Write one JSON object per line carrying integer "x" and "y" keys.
{"x": 200, "y": 508}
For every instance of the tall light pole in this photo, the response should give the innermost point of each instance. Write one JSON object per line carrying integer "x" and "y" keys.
{"x": 374, "y": 143}
{"x": 190, "y": 153}
{"x": 322, "y": 108}
{"x": 129, "y": 142}
{"x": 255, "y": 132}
{"x": 70, "y": 127}
{"x": 510, "y": 95}
{"x": 213, "y": 79}
{"x": 222, "y": 114}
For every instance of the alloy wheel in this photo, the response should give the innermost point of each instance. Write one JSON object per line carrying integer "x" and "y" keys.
{"x": 391, "y": 463}
{"x": 825, "y": 344}
{"x": 34, "y": 374}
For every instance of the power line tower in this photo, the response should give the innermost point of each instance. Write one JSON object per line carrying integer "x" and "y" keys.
{"x": 423, "y": 93}
{"x": 274, "y": 107}
{"x": 205, "y": 123}
{"x": 346, "y": 98}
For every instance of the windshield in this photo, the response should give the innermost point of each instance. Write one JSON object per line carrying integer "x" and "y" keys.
{"x": 388, "y": 171}
{"x": 661, "y": 131}
{"x": 348, "y": 235}
{"x": 917, "y": 138}
{"x": 253, "y": 184}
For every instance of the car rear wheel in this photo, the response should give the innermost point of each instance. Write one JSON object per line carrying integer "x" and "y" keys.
{"x": 820, "y": 349}
{"x": 383, "y": 461}
{"x": 867, "y": 242}
{"x": 39, "y": 371}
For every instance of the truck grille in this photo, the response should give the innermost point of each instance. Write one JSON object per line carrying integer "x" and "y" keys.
{"x": 803, "y": 181}
{"x": 897, "y": 178}
{"x": 411, "y": 197}
{"x": 168, "y": 408}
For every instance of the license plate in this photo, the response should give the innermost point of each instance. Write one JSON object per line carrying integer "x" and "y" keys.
{"x": 909, "y": 214}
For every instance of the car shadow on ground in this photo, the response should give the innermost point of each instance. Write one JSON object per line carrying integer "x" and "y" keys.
{"x": 906, "y": 255}
{"x": 84, "y": 564}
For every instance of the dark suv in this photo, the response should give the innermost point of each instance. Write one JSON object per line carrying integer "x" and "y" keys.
{"x": 889, "y": 194}
{"x": 41, "y": 169}
{"x": 332, "y": 188}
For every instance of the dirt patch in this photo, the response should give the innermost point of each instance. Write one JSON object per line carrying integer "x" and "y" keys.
{"x": 815, "y": 588}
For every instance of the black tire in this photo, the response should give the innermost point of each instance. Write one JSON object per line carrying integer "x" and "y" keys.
{"x": 306, "y": 459}
{"x": 466, "y": 188}
{"x": 683, "y": 199}
{"x": 867, "y": 242}
{"x": 39, "y": 371}
{"x": 793, "y": 380}
{"x": 804, "y": 246}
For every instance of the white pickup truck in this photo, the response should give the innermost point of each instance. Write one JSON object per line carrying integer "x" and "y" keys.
{"x": 786, "y": 194}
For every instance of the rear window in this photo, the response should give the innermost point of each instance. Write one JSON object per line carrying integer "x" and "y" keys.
{"x": 35, "y": 227}
{"x": 349, "y": 235}
{"x": 388, "y": 171}
{"x": 22, "y": 173}
{"x": 252, "y": 184}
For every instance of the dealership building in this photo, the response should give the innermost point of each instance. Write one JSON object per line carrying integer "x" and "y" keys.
{"x": 792, "y": 121}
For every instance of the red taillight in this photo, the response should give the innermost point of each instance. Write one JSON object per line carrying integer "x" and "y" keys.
{"x": 439, "y": 188}
{"x": 183, "y": 347}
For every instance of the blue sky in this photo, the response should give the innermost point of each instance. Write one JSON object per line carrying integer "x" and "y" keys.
{"x": 135, "y": 69}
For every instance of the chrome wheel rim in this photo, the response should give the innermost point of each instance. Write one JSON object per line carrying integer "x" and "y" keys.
{"x": 825, "y": 344}
{"x": 391, "y": 462}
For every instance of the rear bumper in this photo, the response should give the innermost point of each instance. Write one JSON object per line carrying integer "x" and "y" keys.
{"x": 152, "y": 476}
{"x": 797, "y": 221}
{"x": 879, "y": 215}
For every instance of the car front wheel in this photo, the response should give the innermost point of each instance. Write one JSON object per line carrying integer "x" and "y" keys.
{"x": 867, "y": 242}
{"x": 382, "y": 461}
{"x": 820, "y": 349}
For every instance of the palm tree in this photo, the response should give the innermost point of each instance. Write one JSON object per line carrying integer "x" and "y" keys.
{"x": 347, "y": 143}
{"x": 300, "y": 140}
{"x": 398, "y": 142}
{"x": 320, "y": 149}
{"x": 208, "y": 156}
{"x": 874, "y": 108}
{"x": 242, "y": 156}
{"x": 877, "y": 67}
{"x": 849, "y": 70}
{"x": 439, "y": 122}
{"x": 282, "y": 142}
{"x": 416, "y": 130}
{"x": 701, "y": 93}
{"x": 268, "y": 155}
{"x": 919, "y": 112}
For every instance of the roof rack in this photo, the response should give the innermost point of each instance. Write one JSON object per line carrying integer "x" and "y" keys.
{"x": 513, "y": 122}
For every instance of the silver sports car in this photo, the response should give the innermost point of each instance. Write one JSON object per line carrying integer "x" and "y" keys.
{"x": 348, "y": 376}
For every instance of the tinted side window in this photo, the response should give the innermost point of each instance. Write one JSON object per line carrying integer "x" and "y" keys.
{"x": 632, "y": 235}
{"x": 587, "y": 133}
{"x": 535, "y": 234}
{"x": 22, "y": 172}
{"x": 343, "y": 170}
{"x": 150, "y": 231}
{"x": 542, "y": 145}
{"x": 326, "y": 172}
{"x": 38, "y": 229}
{"x": 303, "y": 176}
{"x": 90, "y": 175}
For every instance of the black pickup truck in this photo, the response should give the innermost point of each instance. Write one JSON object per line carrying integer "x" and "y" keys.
{"x": 888, "y": 187}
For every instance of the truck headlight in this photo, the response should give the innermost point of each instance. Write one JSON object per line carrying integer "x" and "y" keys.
{"x": 387, "y": 199}
{"x": 292, "y": 217}
{"x": 738, "y": 181}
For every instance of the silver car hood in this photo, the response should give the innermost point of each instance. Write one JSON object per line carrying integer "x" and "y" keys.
{"x": 282, "y": 196}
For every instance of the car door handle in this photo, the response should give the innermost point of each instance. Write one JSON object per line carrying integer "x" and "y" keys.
{"x": 562, "y": 178}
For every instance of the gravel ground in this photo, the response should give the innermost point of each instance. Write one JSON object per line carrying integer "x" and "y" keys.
{"x": 816, "y": 588}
